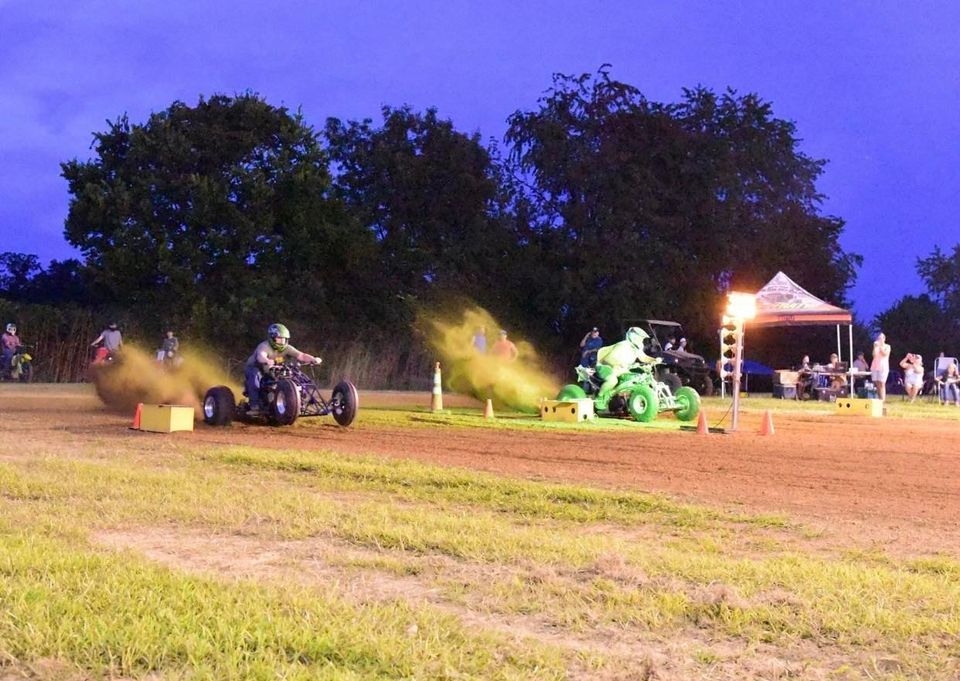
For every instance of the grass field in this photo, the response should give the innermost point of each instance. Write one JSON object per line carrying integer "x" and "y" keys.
{"x": 125, "y": 555}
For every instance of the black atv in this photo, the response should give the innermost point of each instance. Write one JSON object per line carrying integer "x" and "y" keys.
{"x": 287, "y": 392}
{"x": 679, "y": 367}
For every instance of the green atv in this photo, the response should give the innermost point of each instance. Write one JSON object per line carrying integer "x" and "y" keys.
{"x": 637, "y": 393}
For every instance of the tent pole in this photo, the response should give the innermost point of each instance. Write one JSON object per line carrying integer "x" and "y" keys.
{"x": 839, "y": 353}
{"x": 850, "y": 338}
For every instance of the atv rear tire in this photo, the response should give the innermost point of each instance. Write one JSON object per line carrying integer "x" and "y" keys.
{"x": 642, "y": 404}
{"x": 286, "y": 403}
{"x": 689, "y": 402}
{"x": 26, "y": 373}
{"x": 219, "y": 406}
{"x": 672, "y": 380}
{"x": 345, "y": 402}
{"x": 571, "y": 391}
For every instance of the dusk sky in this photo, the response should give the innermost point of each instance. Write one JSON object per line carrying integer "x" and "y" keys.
{"x": 874, "y": 87}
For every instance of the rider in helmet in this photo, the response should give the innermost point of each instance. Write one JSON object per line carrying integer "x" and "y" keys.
{"x": 268, "y": 353}
{"x": 9, "y": 342}
{"x": 615, "y": 360}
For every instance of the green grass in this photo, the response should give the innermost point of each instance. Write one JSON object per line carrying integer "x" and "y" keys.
{"x": 569, "y": 558}
{"x": 117, "y": 615}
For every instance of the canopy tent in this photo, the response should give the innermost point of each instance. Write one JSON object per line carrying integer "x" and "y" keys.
{"x": 783, "y": 302}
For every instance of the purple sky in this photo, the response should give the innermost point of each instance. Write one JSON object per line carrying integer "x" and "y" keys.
{"x": 874, "y": 87}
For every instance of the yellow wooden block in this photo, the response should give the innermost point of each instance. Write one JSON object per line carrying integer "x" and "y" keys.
{"x": 166, "y": 418}
{"x": 848, "y": 406}
{"x": 570, "y": 411}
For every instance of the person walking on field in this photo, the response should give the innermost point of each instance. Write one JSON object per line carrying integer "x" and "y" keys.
{"x": 880, "y": 366}
{"x": 504, "y": 349}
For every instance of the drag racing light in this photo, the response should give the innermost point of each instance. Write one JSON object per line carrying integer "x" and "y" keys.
{"x": 730, "y": 335}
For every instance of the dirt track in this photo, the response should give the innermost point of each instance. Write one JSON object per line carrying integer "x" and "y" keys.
{"x": 891, "y": 481}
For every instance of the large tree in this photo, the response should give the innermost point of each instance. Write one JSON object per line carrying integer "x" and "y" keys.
{"x": 941, "y": 273}
{"x": 639, "y": 208}
{"x": 215, "y": 213}
{"x": 427, "y": 192}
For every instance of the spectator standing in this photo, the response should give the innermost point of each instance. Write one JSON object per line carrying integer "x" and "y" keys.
{"x": 880, "y": 365}
{"x": 504, "y": 349}
{"x": 480, "y": 340}
{"x": 588, "y": 347}
{"x": 912, "y": 366}
{"x": 111, "y": 338}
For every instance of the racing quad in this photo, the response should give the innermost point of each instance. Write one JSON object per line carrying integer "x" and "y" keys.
{"x": 679, "y": 367}
{"x": 287, "y": 392}
{"x": 638, "y": 394}
{"x": 20, "y": 367}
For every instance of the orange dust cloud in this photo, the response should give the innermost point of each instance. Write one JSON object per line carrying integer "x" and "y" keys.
{"x": 519, "y": 384}
{"x": 136, "y": 376}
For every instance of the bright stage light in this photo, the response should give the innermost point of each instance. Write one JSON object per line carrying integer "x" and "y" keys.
{"x": 741, "y": 305}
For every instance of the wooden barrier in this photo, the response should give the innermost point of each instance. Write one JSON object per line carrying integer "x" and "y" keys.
{"x": 847, "y": 406}
{"x": 166, "y": 418}
{"x": 570, "y": 411}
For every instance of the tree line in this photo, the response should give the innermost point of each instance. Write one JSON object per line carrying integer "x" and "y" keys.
{"x": 598, "y": 206}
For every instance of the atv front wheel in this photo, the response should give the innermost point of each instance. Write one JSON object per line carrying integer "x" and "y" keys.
{"x": 642, "y": 404}
{"x": 571, "y": 391}
{"x": 689, "y": 402}
{"x": 219, "y": 406}
{"x": 286, "y": 403}
{"x": 345, "y": 402}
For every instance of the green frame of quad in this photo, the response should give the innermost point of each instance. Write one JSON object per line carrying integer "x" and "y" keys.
{"x": 638, "y": 393}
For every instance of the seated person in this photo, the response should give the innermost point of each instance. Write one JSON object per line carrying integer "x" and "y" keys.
{"x": 950, "y": 380}
{"x": 267, "y": 354}
{"x": 804, "y": 378}
{"x": 615, "y": 360}
{"x": 912, "y": 366}
{"x": 860, "y": 363}
{"x": 837, "y": 381}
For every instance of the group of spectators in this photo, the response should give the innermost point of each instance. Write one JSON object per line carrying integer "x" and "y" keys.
{"x": 945, "y": 379}
{"x": 503, "y": 348}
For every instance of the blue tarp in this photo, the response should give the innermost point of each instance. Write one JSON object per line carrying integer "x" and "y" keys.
{"x": 755, "y": 368}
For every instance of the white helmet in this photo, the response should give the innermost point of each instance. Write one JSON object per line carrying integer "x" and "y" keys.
{"x": 12, "y": 328}
{"x": 635, "y": 336}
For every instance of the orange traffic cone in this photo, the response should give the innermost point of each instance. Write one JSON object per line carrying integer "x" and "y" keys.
{"x": 766, "y": 426}
{"x": 488, "y": 409}
{"x": 436, "y": 399}
{"x": 136, "y": 417}
{"x": 702, "y": 427}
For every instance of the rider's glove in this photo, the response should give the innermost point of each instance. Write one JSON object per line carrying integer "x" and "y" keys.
{"x": 317, "y": 360}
